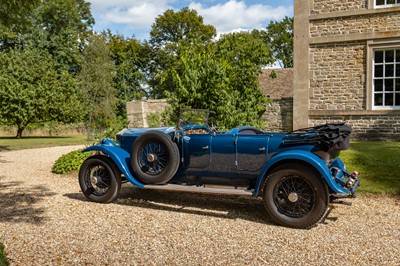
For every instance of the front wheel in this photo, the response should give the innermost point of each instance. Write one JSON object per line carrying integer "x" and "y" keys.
{"x": 99, "y": 179}
{"x": 295, "y": 196}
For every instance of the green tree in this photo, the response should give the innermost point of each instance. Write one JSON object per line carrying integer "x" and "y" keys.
{"x": 32, "y": 90}
{"x": 182, "y": 27}
{"x": 247, "y": 54}
{"x": 279, "y": 37}
{"x": 96, "y": 81}
{"x": 222, "y": 77}
{"x": 171, "y": 30}
{"x": 129, "y": 58}
{"x": 14, "y": 20}
{"x": 61, "y": 28}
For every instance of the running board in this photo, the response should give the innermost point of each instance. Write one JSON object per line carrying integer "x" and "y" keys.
{"x": 207, "y": 190}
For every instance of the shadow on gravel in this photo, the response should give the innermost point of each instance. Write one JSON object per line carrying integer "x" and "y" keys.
{"x": 4, "y": 148}
{"x": 17, "y": 204}
{"x": 2, "y": 160}
{"x": 219, "y": 206}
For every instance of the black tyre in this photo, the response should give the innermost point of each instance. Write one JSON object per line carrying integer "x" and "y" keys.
{"x": 295, "y": 196}
{"x": 99, "y": 179}
{"x": 154, "y": 157}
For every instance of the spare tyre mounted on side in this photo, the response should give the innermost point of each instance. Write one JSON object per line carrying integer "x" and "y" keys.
{"x": 154, "y": 157}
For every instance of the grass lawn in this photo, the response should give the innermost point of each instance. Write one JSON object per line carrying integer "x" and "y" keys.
{"x": 378, "y": 163}
{"x": 3, "y": 259}
{"x": 12, "y": 143}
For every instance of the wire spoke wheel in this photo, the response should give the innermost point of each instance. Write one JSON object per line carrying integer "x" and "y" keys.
{"x": 152, "y": 158}
{"x": 294, "y": 197}
{"x": 98, "y": 179}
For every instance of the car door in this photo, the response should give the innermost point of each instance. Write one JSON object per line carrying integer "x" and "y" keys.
{"x": 251, "y": 151}
{"x": 197, "y": 149}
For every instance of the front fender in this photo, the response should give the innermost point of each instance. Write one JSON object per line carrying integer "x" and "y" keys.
{"x": 120, "y": 157}
{"x": 303, "y": 156}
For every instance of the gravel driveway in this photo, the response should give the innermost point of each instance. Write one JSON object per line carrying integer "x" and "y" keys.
{"x": 45, "y": 220}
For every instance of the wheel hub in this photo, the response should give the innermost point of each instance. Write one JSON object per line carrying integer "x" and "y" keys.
{"x": 94, "y": 180}
{"x": 151, "y": 157}
{"x": 293, "y": 197}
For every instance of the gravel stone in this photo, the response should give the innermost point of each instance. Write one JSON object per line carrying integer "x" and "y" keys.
{"x": 46, "y": 220}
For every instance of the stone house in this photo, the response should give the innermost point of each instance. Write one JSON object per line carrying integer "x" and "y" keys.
{"x": 347, "y": 65}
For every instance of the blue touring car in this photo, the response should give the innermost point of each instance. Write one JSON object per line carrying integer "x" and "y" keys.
{"x": 297, "y": 174}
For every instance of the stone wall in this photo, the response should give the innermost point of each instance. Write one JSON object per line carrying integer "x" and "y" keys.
{"x": 139, "y": 111}
{"x": 329, "y": 6}
{"x": 279, "y": 115}
{"x": 333, "y": 27}
{"x": 337, "y": 76}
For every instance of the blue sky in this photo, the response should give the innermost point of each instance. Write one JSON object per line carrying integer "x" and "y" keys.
{"x": 135, "y": 17}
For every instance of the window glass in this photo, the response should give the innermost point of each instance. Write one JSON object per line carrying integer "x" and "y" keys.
{"x": 378, "y": 99}
{"x": 389, "y": 70}
{"x": 389, "y": 99}
{"x": 386, "y": 79}
{"x": 389, "y": 84}
{"x": 383, "y": 3}
{"x": 389, "y": 56}
{"x": 397, "y": 99}
{"x": 378, "y": 56}
{"x": 378, "y": 84}
{"x": 379, "y": 71}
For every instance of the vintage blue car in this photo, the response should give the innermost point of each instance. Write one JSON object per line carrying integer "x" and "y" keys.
{"x": 297, "y": 174}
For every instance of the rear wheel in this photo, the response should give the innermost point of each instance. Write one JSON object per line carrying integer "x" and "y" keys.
{"x": 99, "y": 179}
{"x": 295, "y": 196}
{"x": 154, "y": 157}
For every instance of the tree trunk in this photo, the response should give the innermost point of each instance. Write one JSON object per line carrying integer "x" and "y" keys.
{"x": 19, "y": 132}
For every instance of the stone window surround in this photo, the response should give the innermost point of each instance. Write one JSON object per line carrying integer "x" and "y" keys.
{"x": 371, "y": 46}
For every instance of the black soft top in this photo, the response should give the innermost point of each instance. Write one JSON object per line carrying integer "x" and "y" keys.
{"x": 335, "y": 135}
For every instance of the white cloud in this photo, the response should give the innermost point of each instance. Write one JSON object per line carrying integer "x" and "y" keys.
{"x": 140, "y": 16}
{"x": 137, "y": 13}
{"x": 102, "y": 4}
{"x": 133, "y": 16}
{"x": 234, "y": 15}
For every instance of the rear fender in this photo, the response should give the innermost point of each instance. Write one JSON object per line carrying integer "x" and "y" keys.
{"x": 301, "y": 156}
{"x": 120, "y": 157}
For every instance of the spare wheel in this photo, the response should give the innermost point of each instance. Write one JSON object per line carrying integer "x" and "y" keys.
{"x": 154, "y": 157}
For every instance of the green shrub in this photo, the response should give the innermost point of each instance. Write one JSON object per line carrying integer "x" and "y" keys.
{"x": 69, "y": 162}
{"x": 154, "y": 120}
{"x": 3, "y": 259}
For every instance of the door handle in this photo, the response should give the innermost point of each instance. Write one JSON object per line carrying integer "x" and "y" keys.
{"x": 205, "y": 147}
{"x": 261, "y": 149}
